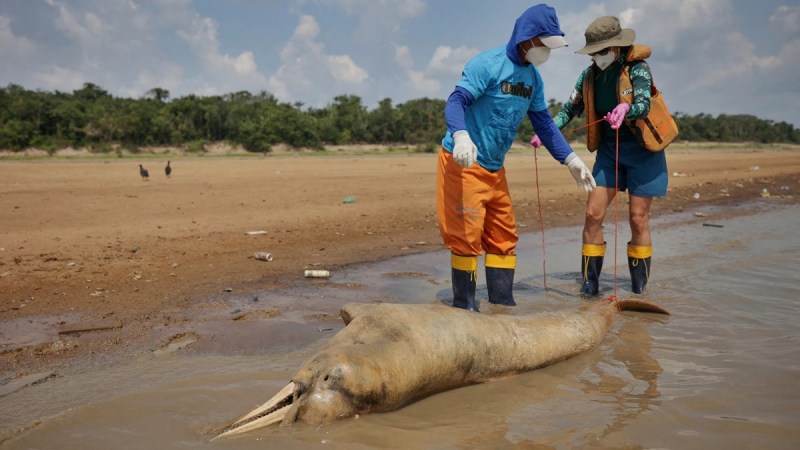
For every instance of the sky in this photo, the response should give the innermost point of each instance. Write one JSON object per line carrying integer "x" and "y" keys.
{"x": 709, "y": 56}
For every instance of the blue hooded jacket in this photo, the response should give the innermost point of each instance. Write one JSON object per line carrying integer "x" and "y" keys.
{"x": 498, "y": 88}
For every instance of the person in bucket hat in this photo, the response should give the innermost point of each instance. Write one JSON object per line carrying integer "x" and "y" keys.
{"x": 497, "y": 89}
{"x": 616, "y": 87}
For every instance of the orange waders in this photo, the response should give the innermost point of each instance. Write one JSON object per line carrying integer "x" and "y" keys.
{"x": 473, "y": 208}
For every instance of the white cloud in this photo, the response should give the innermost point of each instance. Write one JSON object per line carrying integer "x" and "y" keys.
{"x": 60, "y": 78}
{"x": 308, "y": 28}
{"x": 167, "y": 76}
{"x": 403, "y": 57}
{"x": 397, "y": 8}
{"x": 278, "y": 87}
{"x": 378, "y": 18}
{"x": 423, "y": 86}
{"x": 677, "y": 25}
{"x": 737, "y": 59}
{"x": 121, "y": 45}
{"x": 87, "y": 28}
{"x": 697, "y": 46}
{"x": 378, "y": 23}
{"x": 344, "y": 69}
{"x": 11, "y": 44}
{"x": 448, "y": 62}
{"x": 696, "y": 13}
{"x": 786, "y": 19}
{"x": 306, "y": 67}
{"x": 243, "y": 65}
{"x": 201, "y": 33}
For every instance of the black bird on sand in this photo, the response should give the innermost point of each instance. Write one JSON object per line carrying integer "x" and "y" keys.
{"x": 168, "y": 169}
{"x": 143, "y": 172}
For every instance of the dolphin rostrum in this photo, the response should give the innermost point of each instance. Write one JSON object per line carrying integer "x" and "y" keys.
{"x": 390, "y": 355}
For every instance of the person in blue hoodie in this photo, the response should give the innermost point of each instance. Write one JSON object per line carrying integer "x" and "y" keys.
{"x": 498, "y": 88}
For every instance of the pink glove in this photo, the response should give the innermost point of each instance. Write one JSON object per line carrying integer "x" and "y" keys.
{"x": 617, "y": 115}
{"x": 535, "y": 141}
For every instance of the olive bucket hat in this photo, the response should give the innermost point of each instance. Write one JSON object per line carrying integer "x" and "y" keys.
{"x": 606, "y": 32}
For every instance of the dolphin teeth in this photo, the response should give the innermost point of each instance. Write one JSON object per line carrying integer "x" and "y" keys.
{"x": 272, "y": 411}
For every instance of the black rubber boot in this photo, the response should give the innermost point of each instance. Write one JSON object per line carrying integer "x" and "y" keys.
{"x": 591, "y": 266}
{"x": 639, "y": 257}
{"x": 464, "y": 283}
{"x": 499, "y": 283}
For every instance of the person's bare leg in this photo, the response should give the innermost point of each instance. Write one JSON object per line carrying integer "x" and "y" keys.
{"x": 640, "y": 220}
{"x": 596, "y": 208}
{"x": 594, "y": 247}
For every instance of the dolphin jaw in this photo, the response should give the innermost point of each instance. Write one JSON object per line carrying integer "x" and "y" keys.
{"x": 272, "y": 411}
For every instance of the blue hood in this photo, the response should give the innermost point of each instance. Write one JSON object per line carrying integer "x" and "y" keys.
{"x": 539, "y": 20}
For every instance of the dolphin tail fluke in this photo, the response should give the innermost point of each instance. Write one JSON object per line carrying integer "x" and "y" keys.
{"x": 273, "y": 411}
{"x": 634, "y": 304}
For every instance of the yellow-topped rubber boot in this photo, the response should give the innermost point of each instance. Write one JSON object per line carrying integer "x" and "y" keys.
{"x": 500, "y": 278}
{"x": 591, "y": 265}
{"x": 639, "y": 258}
{"x": 465, "y": 278}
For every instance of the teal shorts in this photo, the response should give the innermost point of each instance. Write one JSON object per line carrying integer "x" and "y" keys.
{"x": 642, "y": 172}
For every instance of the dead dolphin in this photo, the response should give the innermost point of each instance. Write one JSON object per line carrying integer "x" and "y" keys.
{"x": 390, "y": 355}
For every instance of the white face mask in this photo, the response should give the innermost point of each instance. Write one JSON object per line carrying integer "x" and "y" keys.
{"x": 537, "y": 55}
{"x": 603, "y": 60}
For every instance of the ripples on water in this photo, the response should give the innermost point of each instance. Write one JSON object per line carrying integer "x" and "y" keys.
{"x": 722, "y": 372}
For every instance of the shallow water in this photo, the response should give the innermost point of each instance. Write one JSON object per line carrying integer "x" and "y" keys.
{"x": 723, "y": 371}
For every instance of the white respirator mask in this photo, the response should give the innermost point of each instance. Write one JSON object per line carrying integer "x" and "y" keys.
{"x": 603, "y": 60}
{"x": 537, "y": 55}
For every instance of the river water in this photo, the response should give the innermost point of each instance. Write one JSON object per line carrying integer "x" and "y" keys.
{"x": 723, "y": 371}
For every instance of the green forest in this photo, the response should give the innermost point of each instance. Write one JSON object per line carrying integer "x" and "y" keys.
{"x": 92, "y": 118}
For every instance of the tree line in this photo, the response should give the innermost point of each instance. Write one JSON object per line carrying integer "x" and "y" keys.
{"x": 91, "y": 117}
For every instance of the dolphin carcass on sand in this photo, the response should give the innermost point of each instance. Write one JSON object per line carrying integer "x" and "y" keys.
{"x": 390, "y": 355}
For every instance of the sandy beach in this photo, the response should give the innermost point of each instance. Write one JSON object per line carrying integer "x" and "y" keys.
{"x": 90, "y": 244}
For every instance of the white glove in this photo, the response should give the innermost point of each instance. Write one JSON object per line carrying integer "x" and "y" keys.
{"x": 464, "y": 152}
{"x": 581, "y": 173}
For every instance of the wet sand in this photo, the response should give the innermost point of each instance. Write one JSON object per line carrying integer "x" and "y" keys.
{"x": 96, "y": 262}
{"x": 693, "y": 380}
